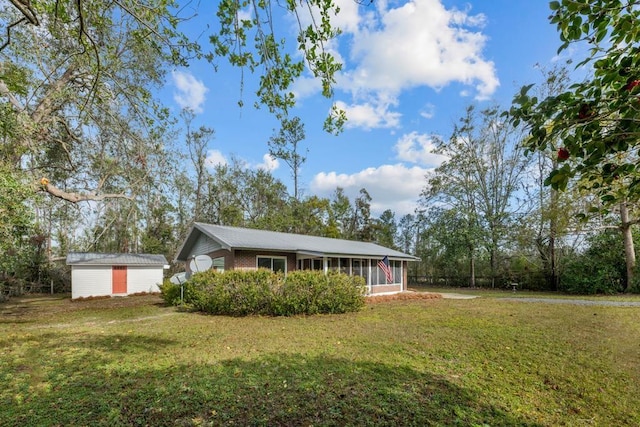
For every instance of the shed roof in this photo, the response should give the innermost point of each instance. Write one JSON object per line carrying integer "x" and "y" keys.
{"x": 250, "y": 239}
{"x": 94, "y": 258}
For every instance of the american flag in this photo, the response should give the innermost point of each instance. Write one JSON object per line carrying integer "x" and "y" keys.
{"x": 384, "y": 265}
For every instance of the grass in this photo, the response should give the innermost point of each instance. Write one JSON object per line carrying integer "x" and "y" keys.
{"x": 485, "y": 361}
{"x": 509, "y": 293}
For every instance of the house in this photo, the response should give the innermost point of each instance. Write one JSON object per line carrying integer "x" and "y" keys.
{"x": 248, "y": 249}
{"x": 95, "y": 274}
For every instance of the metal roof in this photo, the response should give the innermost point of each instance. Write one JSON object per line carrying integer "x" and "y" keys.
{"x": 93, "y": 258}
{"x": 250, "y": 239}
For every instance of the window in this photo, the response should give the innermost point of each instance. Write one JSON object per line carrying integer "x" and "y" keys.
{"x": 356, "y": 268}
{"x": 310, "y": 264}
{"x": 218, "y": 264}
{"x": 381, "y": 279}
{"x": 344, "y": 266}
{"x": 397, "y": 271}
{"x": 277, "y": 264}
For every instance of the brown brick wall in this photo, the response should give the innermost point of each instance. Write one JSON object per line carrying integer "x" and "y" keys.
{"x": 379, "y": 289}
{"x": 247, "y": 260}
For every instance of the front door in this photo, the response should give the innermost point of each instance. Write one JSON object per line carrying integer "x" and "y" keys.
{"x": 119, "y": 279}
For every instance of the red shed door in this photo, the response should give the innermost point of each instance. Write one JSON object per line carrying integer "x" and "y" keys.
{"x": 119, "y": 279}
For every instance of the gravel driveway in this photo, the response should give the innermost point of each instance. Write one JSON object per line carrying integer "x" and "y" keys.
{"x": 576, "y": 302}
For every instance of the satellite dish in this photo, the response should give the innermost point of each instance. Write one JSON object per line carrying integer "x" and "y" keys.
{"x": 178, "y": 278}
{"x": 200, "y": 263}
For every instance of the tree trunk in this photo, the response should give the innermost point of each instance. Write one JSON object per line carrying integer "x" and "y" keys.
{"x": 553, "y": 277}
{"x": 629, "y": 249}
{"x": 472, "y": 269}
{"x": 553, "y": 230}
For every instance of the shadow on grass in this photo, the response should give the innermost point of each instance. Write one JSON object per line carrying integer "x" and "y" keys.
{"x": 272, "y": 390}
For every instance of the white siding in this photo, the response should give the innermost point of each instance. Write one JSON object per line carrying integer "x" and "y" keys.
{"x": 93, "y": 281}
{"x": 143, "y": 279}
{"x": 90, "y": 281}
{"x": 204, "y": 245}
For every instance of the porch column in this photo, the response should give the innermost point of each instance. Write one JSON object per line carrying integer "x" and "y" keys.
{"x": 369, "y": 277}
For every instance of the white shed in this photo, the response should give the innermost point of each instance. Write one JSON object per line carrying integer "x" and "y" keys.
{"x": 95, "y": 274}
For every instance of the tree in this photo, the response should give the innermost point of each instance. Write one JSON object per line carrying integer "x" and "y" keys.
{"x": 158, "y": 227}
{"x": 271, "y": 53}
{"x": 362, "y": 223}
{"x": 342, "y": 215}
{"x": 197, "y": 142}
{"x": 595, "y": 120}
{"x": 16, "y": 219}
{"x": 445, "y": 247}
{"x": 284, "y": 146}
{"x": 551, "y": 209}
{"x": 239, "y": 196}
{"x": 242, "y": 25}
{"x": 479, "y": 180}
{"x": 310, "y": 216}
{"x": 86, "y": 126}
{"x": 386, "y": 229}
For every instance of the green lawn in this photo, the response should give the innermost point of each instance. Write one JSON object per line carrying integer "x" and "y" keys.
{"x": 509, "y": 293}
{"x": 484, "y": 361}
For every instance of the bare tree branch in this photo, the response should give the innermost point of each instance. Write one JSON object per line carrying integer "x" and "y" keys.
{"x": 24, "y": 6}
{"x": 4, "y": 91}
{"x": 28, "y": 15}
{"x": 79, "y": 197}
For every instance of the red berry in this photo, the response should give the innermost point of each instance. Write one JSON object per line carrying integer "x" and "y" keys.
{"x": 586, "y": 111}
{"x": 563, "y": 154}
{"x": 632, "y": 84}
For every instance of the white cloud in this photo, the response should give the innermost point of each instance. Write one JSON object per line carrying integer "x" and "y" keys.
{"x": 215, "y": 158}
{"x": 245, "y": 14}
{"x": 394, "y": 187}
{"x": 306, "y": 86}
{"x": 190, "y": 91}
{"x": 389, "y": 50}
{"x": 269, "y": 163}
{"x": 370, "y": 115}
{"x": 421, "y": 43}
{"x": 418, "y": 148}
{"x": 428, "y": 111}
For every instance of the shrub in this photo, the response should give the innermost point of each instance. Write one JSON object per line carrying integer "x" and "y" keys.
{"x": 238, "y": 293}
{"x": 170, "y": 292}
{"x": 599, "y": 269}
{"x": 313, "y": 292}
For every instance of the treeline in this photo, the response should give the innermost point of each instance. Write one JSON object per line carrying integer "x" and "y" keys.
{"x": 90, "y": 161}
{"x": 485, "y": 216}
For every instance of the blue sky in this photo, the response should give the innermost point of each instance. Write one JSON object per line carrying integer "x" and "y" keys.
{"x": 410, "y": 70}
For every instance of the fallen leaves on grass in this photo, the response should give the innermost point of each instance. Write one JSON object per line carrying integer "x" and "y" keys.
{"x": 403, "y": 296}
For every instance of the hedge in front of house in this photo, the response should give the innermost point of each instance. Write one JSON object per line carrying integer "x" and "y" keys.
{"x": 239, "y": 293}
{"x": 313, "y": 292}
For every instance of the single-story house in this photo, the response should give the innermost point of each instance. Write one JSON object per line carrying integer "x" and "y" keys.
{"x": 248, "y": 249}
{"x": 96, "y": 274}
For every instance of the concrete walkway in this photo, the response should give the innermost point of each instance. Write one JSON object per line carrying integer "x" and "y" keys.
{"x": 457, "y": 296}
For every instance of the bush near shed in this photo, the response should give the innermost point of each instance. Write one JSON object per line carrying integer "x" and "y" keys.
{"x": 240, "y": 293}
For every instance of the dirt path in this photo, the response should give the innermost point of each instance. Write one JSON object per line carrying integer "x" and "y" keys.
{"x": 41, "y": 305}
